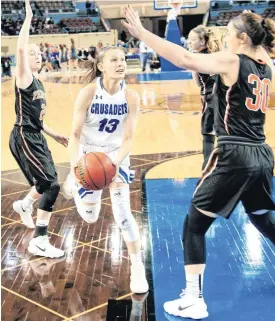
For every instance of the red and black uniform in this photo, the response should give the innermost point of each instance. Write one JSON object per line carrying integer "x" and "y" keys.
{"x": 27, "y": 144}
{"x": 241, "y": 168}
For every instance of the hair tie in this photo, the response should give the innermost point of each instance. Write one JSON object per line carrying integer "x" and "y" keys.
{"x": 263, "y": 24}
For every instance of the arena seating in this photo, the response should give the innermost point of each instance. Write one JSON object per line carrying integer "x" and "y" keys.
{"x": 269, "y": 13}
{"x": 224, "y": 17}
{"x": 56, "y": 6}
{"x": 78, "y": 25}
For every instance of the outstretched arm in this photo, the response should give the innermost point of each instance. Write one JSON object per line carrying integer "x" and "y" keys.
{"x": 216, "y": 63}
{"x": 23, "y": 72}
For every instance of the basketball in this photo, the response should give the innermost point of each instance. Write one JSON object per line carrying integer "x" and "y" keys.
{"x": 95, "y": 171}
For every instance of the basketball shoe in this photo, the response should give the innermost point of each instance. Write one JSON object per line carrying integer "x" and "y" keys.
{"x": 138, "y": 282}
{"x": 41, "y": 246}
{"x": 187, "y": 306}
{"x": 25, "y": 214}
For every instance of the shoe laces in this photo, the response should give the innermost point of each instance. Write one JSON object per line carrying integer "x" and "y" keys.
{"x": 183, "y": 293}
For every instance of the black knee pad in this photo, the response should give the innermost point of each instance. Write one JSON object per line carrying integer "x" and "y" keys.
{"x": 265, "y": 223}
{"x": 49, "y": 197}
{"x": 41, "y": 188}
{"x": 195, "y": 227}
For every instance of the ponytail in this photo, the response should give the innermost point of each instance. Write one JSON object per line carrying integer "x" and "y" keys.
{"x": 269, "y": 40}
{"x": 92, "y": 73}
{"x": 214, "y": 41}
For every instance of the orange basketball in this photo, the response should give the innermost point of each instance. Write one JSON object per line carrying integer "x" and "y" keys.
{"x": 95, "y": 171}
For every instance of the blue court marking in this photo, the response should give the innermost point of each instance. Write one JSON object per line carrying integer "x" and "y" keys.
{"x": 167, "y": 75}
{"x": 239, "y": 283}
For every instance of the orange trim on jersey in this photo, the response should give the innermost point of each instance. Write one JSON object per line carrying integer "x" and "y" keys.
{"x": 20, "y": 107}
{"x": 260, "y": 61}
{"x": 226, "y": 115}
{"x": 209, "y": 168}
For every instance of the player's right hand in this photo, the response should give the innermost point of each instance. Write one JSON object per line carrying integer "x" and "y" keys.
{"x": 72, "y": 173}
{"x": 133, "y": 23}
{"x": 29, "y": 13}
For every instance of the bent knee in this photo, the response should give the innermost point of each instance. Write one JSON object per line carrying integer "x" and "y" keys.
{"x": 89, "y": 212}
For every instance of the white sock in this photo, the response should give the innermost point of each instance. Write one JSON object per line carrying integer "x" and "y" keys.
{"x": 136, "y": 258}
{"x": 27, "y": 201}
{"x": 194, "y": 284}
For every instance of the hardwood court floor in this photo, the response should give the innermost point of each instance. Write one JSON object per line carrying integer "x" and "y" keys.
{"x": 96, "y": 267}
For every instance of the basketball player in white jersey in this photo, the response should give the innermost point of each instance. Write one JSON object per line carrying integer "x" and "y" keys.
{"x": 104, "y": 120}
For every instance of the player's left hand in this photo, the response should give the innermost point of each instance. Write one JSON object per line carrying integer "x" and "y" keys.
{"x": 62, "y": 140}
{"x": 134, "y": 24}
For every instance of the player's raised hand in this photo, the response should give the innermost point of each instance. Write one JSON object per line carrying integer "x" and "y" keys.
{"x": 29, "y": 13}
{"x": 133, "y": 23}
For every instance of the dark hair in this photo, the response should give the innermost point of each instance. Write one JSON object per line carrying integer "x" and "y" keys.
{"x": 269, "y": 41}
{"x": 260, "y": 31}
{"x": 92, "y": 65}
{"x": 212, "y": 39}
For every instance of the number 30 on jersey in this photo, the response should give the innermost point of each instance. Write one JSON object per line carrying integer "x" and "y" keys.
{"x": 261, "y": 91}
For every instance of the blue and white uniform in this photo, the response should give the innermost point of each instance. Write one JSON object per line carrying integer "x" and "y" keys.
{"x": 103, "y": 131}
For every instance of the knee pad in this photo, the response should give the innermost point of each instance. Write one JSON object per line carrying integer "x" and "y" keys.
{"x": 120, "y": 197}
{"x": 88, "y": 211}
{"x": 41, "y": 188}
{"x": 49, "y": 197}
{"x": 265, "y": 223}
{"x": 195, "y": 227}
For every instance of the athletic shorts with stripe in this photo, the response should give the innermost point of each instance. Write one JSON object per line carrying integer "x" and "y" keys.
{"x": 30, "y": 150}
{"x": 236, "y": 172}
{"x": 125, "y": 175}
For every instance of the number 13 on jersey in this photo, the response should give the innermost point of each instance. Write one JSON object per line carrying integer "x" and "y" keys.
{"x": 108, "y": 125}
{"x": 261, "y": 91}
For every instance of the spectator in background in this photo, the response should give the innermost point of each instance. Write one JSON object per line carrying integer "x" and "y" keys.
{"x": 99, "y": 45}
{"x": 155, "y": 63}
{"x": 6, "y": 65}
{"x": 145, "y": 54}
{"x": 88, "y": 7}
{"x": 55, "y": 58}
{"x": 123, "y": 36}
{"x": 93, "y": 52}
{"x": 73, "y": 60}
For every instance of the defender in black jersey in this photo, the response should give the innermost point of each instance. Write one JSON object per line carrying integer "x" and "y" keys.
{"x": 204, "y": 41}
{"x": 27, "y": 143}
{"x": 242, "y": 159}
{"x": 241, "y": 167}
{"x": 29, "y": 146}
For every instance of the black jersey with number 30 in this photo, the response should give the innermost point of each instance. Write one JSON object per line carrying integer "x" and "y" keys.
{"x": 240, "y": 109}
{"x": 30, "y": 106}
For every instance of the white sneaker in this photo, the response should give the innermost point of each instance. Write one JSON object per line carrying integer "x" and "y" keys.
{"x": 26, "y": 215}
{"x": 69, "y": 187}
{"x": 138, "y": 282}
{"x": 187, "y": 306}
{"x": 41, "y": 246}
